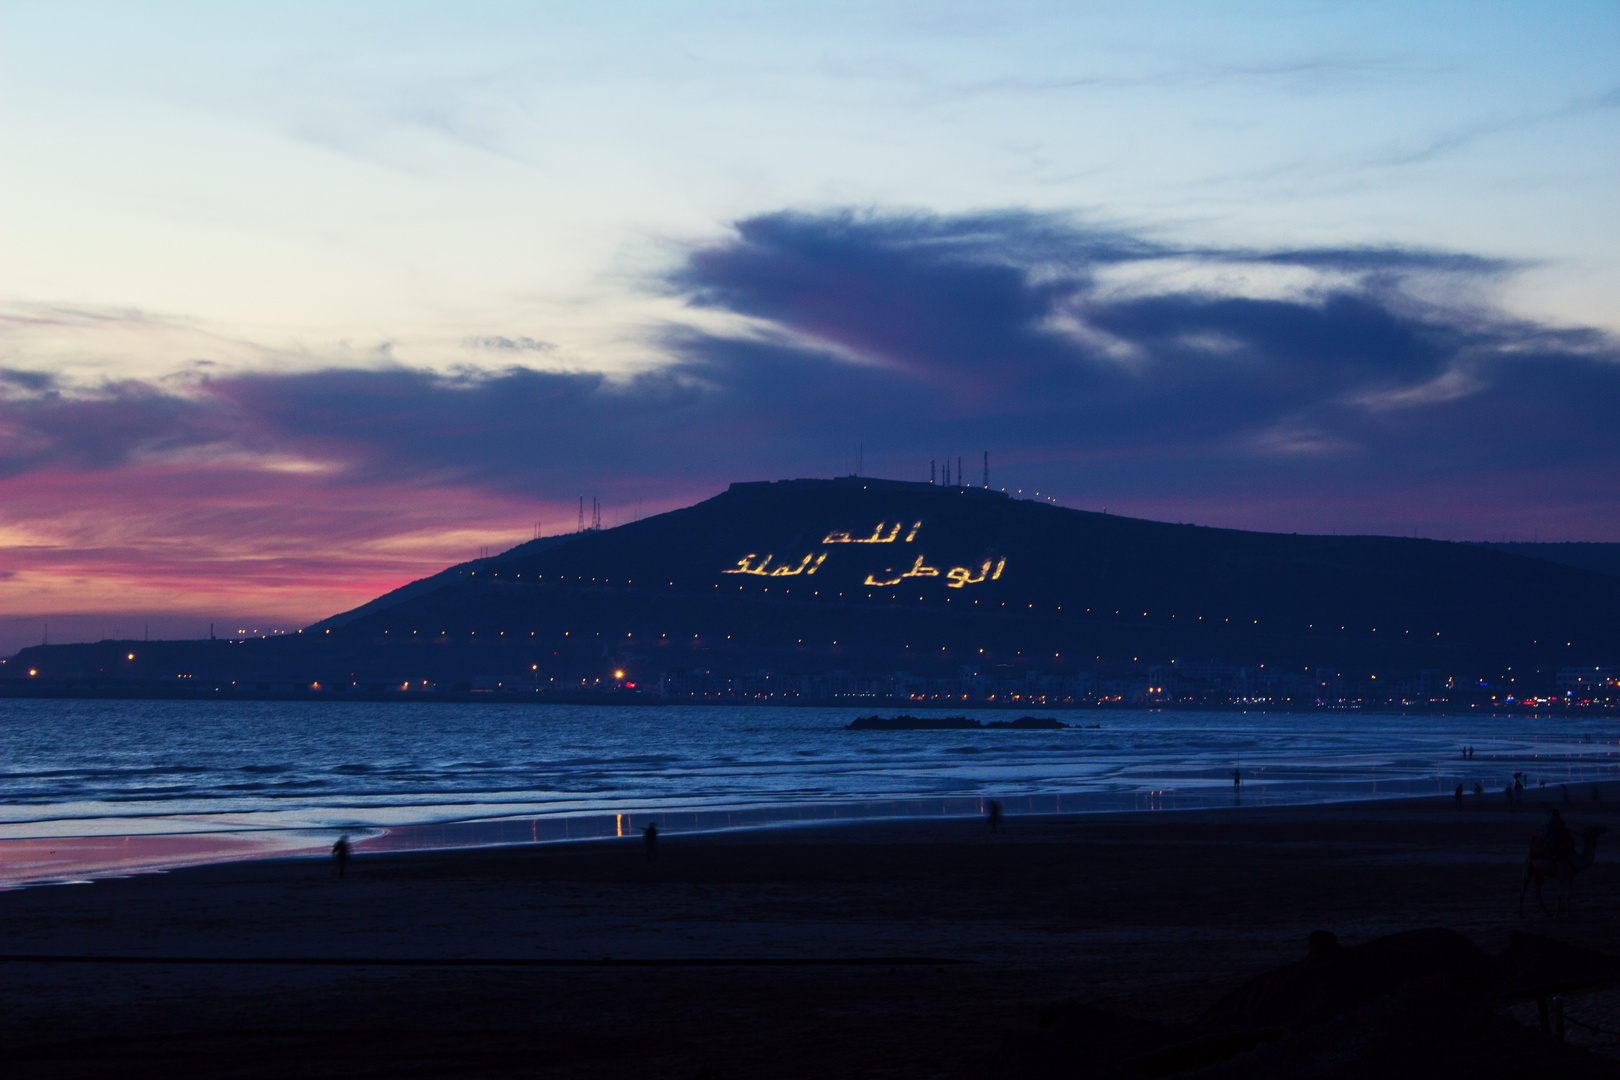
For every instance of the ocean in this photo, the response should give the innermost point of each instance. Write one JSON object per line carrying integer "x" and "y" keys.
{"x": 96, "y": 787}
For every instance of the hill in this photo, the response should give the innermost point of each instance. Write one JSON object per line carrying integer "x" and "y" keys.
{"x": 817, "y": 587}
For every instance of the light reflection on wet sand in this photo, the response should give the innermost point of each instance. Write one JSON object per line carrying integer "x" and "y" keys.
{"x": 64, "y": 859}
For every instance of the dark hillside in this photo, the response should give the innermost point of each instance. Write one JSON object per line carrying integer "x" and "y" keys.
{"x": 437, "y": 581}
{"x": 1603, "y": 558}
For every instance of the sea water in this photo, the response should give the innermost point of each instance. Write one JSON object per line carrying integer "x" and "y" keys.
{"x": 90, "y": 786}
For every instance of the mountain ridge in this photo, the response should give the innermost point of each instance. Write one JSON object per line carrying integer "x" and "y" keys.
{"x": 807, "y": 578}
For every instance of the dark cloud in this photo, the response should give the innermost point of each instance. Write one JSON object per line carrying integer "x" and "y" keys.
{"x": 106, "y": 427}
{"x": 510, "y": 344}
{"x": 927, "y": 336}
{"x": 37, "y": 382}
{"x": 1378, "y": 260}
{"x": 1006, "y": 340}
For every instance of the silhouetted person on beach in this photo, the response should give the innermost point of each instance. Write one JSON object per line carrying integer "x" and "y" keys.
{"x": 993, "y": 813}
{"x": 1458, "y": 794}
{"x": 1237, "y": 781}
{"x": 649, "y": 838}
{"x": 1518, "y": 787}
{"x": 340, "y": 855}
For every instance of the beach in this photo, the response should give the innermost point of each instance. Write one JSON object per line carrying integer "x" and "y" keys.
{"x": 892, "y": 948}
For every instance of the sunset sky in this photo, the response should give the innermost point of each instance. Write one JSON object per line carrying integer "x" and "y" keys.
{"x": 299, "y": 302}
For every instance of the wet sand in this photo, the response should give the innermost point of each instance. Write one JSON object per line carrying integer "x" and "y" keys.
{"x": 1151, "y": 914}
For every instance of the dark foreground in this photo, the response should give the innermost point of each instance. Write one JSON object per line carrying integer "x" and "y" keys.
{"x": 1151, "y": 918}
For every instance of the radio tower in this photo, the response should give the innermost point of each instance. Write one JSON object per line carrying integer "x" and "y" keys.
{"x": 596, "y": 515}
{"x": 581, "y": 527}
{"x": 987, "y": 468}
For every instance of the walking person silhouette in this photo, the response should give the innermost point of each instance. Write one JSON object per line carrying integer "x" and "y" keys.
{"x": 649, "y": 838}
{"x": 993, "y": 812}
{"x": 340, "y": 855}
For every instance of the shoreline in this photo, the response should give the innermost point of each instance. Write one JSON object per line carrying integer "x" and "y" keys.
{"x": 35, "y": 862}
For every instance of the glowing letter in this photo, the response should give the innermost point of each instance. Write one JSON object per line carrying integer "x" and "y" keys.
{"x": 789, "y": 571}
{"x": 877, "y": 536}
{"x": 745, "y": 565}
{"x": 871, "y": 580}
{"x": 919, "y": 570}
{"x": 912, "y": 535}
{"x": 961, "y": 575}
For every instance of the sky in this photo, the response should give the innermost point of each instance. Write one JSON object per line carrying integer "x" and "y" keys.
{"x": 299, "y": 302}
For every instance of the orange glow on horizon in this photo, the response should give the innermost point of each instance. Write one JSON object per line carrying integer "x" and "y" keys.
{"x": 224, "y": 542}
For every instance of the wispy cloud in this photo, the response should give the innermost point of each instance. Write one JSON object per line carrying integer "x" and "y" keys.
{"x": 1412, "y": 152}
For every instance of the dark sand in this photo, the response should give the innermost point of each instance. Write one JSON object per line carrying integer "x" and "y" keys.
{"x": 1152, "y": 914}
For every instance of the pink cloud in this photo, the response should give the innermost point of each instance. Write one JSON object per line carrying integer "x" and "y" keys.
{"x": 218, "y": 543}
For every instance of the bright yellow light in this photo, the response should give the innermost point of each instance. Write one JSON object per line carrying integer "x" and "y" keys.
{"x": 618, "y": 674}
{"x": 131, "y": 656}
{"x": 877, "y": 536}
